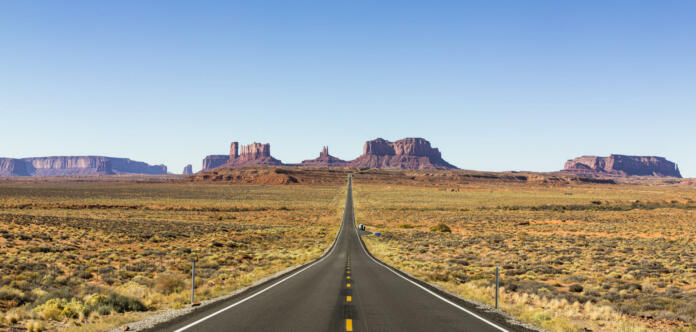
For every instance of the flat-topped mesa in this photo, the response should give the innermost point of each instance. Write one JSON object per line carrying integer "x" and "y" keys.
{"x": 407, "y": 153}
{"x": 324, "y": 160}
{"x": 127, "y": 166}
{"x": 379, "y": 147}
{"x": 213, "y": 161}
{"x": 13, "y": 167}
{"x": 622, "y": 165}
{"x": 76, "y": 165}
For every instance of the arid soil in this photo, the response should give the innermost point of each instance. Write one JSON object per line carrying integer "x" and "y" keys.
{"x": 573, "y": 257}
{"x": 91, "y": 252}
{"x": 91, "y": 255}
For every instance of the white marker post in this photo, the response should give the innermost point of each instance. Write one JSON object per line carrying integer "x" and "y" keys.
{"x": 497, "y": 284}
{"x": 193, "y": 279}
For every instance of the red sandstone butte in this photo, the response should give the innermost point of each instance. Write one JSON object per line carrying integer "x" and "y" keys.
{"x": 407, "y": 153}
{"x": 622, "y": 166}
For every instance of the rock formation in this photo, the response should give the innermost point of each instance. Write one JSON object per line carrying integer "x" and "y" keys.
{"x": 324, "y": 160}
{"x": 407, "y": 153}
{"x": 214, "y": 161}
{"x": 76, "y": 165}
{"x": 12, "y": 167}
{"x": 255, "y": 154}
{"x": 127, "y": 166}
{"x": 188, "y": 170}
{"x": 621, "y": 165}
{"x": 253, "y": 151}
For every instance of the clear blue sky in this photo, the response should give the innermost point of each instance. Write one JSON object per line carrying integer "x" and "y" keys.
{"x": 496, "y": 85}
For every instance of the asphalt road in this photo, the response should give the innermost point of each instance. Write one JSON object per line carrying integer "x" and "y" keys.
{"x": 345, "y": 290}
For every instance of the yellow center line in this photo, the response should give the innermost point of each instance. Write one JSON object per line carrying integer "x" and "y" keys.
{"x": 349, "y": 298}
{"x": 349, "y": 325}
{"x": 348, "y": 285}
{"x": 347, "y": 277}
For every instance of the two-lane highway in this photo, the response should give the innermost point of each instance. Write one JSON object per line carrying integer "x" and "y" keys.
{"x": 345, "y": 290}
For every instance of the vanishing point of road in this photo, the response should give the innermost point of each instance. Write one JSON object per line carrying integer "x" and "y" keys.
{"x": 345, "y": 290}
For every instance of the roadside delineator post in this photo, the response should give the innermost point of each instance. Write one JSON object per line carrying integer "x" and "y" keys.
{"x": 193, "y": 280}
{"x": 497, "y": 284}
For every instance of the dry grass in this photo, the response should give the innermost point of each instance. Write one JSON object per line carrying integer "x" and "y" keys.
{"x": 602, "y": 257}
{"x": 89, "y": 256}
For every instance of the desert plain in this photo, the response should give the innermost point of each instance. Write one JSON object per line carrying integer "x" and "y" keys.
{"x": 575, "y": 254}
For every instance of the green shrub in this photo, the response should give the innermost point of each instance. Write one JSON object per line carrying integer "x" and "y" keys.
{"x": 406, "y": 226}
{"x": 63, "y": 293}
{"x": 35, "y": 326}
{"x": 114, "y": 302}
{"x": 169, "y": 283}
{"x": 11, "y": 318}
{"x": 441, "y": 228}
{"x": 575, "y": 288}
{"x": 59, "y": 309}
{"x": 12, "y": 294}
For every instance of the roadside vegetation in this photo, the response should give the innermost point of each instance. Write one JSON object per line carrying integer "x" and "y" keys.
{"x": 91, "y": 256}
{"x": 600, "y": 257}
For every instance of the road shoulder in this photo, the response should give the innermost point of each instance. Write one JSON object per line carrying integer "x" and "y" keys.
{"x": 485, "y": 311}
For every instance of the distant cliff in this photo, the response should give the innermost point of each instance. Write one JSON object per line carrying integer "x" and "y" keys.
{"x": 188, "y": 170}
{"x": 621, "y": 165}
{"x": 214, "y": 161}
{"x": 76, "y": 165}
{"x": 407, "y": 153}
{"x": 13, "y": 167}
{"x": 255, "y": 154}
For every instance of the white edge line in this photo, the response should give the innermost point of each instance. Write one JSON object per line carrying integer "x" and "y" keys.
{"x": 267, "y": 288}
{"x": 427, "y": 290}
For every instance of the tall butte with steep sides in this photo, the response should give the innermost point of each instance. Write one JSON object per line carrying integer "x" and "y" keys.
{"x": 407, "y": 153}
{"x": 622, "y": 165}
{"x": 188, "y": 170}
{"x": 254, "y": 154}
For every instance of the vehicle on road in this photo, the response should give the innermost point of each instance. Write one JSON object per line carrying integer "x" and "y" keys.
{"x": 361, "y": 227}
